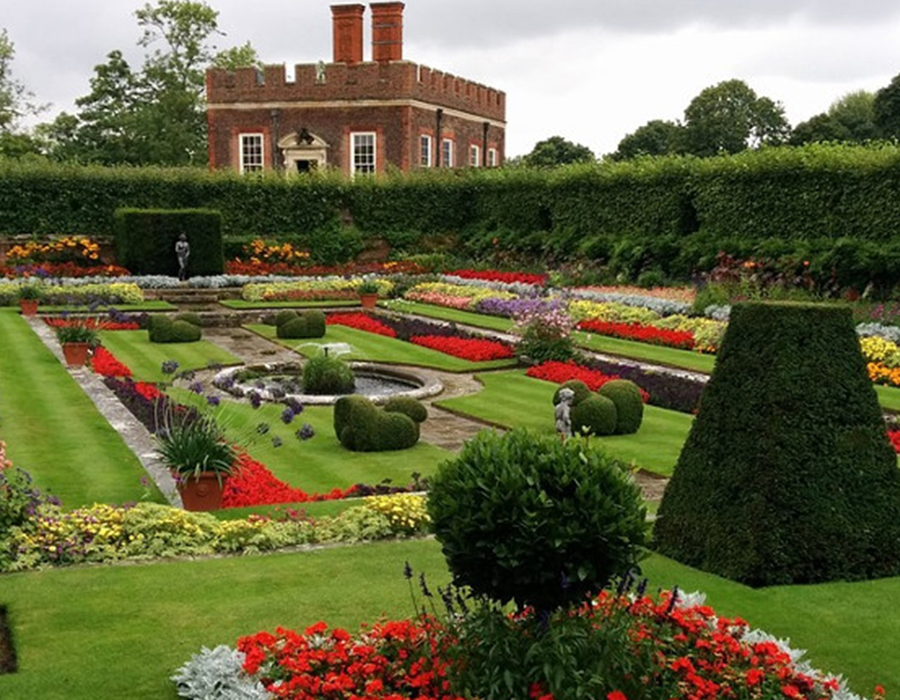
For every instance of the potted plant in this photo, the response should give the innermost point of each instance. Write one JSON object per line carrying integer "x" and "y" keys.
{"x": 368, "y": 294}
{"x": 77, "y": 339}
{"x": 29, "y": 295}
{"x": 195, "y": 450}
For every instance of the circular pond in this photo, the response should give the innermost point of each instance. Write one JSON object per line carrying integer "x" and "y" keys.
{"x": 280, "y": 381}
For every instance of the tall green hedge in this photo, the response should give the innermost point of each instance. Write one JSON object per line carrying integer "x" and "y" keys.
{"x": 145, "y": 240}
{"x": 787, "y": 475}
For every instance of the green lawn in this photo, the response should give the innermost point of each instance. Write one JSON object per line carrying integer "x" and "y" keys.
{"x": 469, "y": 318}
{"x": 509, "y": 400}
{"x": 119, "y": 632}
{"x": 320, "y": 463}
{"x": 379, "y": 348}
{"x": 54, "y": 431}
{"x": 145, "y": 358}
{"x": 241, "y": 304}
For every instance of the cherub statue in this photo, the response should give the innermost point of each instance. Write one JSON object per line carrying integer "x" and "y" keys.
{"x": 563, "y": 413}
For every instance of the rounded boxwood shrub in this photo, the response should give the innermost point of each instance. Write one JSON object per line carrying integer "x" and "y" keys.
{"x": 787, "y": 475}
{"x": 629, "y": 405}
{"x": 309, "y": 324}
{"x": 363, "y": 427}
{"x": 315, "y": 323}
{"x": 579, "y": 388}
{"x": 292, "y": 329}
{"x": 327, "y": 374}
{"x": 284, "y": 316}
{"x": 411, "y": 407}
{"x": 190, "y": 317}
{"x": 595, "y": 415}
{"x": 529, "y": 518}
{"x": 162, "y": 329}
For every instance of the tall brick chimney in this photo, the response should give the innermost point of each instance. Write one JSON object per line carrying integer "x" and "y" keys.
{"x": 347, "y": 25}
{"x": 387, "y": 31}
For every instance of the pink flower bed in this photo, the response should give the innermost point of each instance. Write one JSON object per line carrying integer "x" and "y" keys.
{"x": 463, "y": 303}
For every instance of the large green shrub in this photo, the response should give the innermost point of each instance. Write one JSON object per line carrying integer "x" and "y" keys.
{"x": 595, "y": 415}
{"x": 629, "y": 404}
{"x": 162, "y": 329}
{"x": 145, "y": 240}
{"x": 363, "y": 427}
{"x": 787, "y": 475}
{"x": 413, "y": 408}
{"x": 307, "y": 324}
{"x": 327, "y": 374}
{"x": 532, "y": 519}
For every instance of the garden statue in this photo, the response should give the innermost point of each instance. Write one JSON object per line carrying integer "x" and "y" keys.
{"x": 563, "y": 413}
{"x": 183, "y": 252}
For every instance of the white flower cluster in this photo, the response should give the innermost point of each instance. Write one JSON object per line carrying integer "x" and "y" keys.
{"x": 868, "y": 330}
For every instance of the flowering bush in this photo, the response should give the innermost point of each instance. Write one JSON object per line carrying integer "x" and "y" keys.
{"x": 546, "y": 334}
{"x": 878, "y": 350}
{"x": 636, "y": 331}
{"x": 361, "y": 322}
{"x": 81, "y": 251}
{"x": 472, "y": 349}
{"x": 882, "y": 374}
{"x": 561, "y": 372}
{"x": 407, "y": 512}
{"x": 617, "y": 647}
{"x": 66, "y": 269}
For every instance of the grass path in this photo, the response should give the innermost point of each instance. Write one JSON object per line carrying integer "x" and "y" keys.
{"x": 145, "y": 358}
{"x": 54, "y": 431}
{"x": 120, "y": 632}
{"x": 380, "y": 348}
{"x": 510, "y": 399}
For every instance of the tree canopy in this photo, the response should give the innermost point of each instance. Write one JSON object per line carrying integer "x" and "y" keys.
{"x": 556, "y": 151}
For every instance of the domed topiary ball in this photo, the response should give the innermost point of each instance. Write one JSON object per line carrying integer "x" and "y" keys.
{"x": 284, "y": 316}
{"x": 292, "y": 329}
{"x": 408, "y": 406}
{"x": 530, "y": 518}
{"x": 629, "y": 404}
{"x": 596, "y": 415}
{"x": 579, "y": 388}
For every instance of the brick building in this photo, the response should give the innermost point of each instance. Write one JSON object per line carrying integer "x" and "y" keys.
{"x": 355, "y": 115}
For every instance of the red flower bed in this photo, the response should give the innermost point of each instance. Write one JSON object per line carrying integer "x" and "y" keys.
{"x": 93, "y": 324}
{"x": 644, "y": 334}
{"x": 497, "y": 276}
{"x": 894, "y": 437}
{"x": 252, "y": 484}
{"x": 561, "y": 372}
{"x": 472, "y": 349}
{"x": 149, "y": 391}
{"x": 675, "y": 652}
{"x": 361, "y": 322}
{"x": 105, "y": 364}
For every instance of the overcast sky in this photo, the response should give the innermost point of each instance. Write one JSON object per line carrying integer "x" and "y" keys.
{"x": 588, "y": 70}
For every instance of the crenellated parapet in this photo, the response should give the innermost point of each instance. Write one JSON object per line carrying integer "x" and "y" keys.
{"x": 394, "y": 80}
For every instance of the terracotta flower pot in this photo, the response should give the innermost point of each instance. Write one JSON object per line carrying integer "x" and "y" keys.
{"x": 29, "y": 306}
{"x": 368, "y": 300}
{"x": 202, "y": 492}
{"x": 76, "y": 354}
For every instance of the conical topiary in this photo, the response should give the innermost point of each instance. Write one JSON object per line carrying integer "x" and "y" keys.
{"x": 787, "y": 475}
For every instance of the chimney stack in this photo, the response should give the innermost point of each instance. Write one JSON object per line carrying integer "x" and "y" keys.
{"x": 347, "y": 25}
{"x": 387, "y": 31}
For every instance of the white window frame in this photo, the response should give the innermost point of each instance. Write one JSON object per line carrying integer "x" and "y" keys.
{"x": 474, "y": 155}
{"x": 426, "y": 150}
{"x": 249, "y": 162}
{"x": 492, "y": 157}
{"x": 447, "y": 152}
{"x": 361, "y": 163}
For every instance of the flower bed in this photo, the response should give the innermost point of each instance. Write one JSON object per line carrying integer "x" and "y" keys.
{"x": 497, "y": 276}
{"x": 252, "y": 484}
{"x": 104, "y": 363}
{"x": 674, "y": 647}
{"x": 56, "y": 270}
{"x": 683, "y": 340}
{"x": 561, "y": 372}
{"x": 362, "y": 322}
{"x": 97, "y": 324}
{"x": 306, "y": 289}
{"x": 258, "y": 268}
{"x": 472, "y": 349}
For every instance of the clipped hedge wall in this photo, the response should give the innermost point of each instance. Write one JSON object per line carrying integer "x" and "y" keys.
{"x": 787, "y": 476}
{"x": 145, "y": 240}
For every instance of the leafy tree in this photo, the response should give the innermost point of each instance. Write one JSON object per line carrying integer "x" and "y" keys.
{"x": 729, "y": 117}
{"x": 15, "y": 102}
{"x": 237, "y": 57}
{"x": 156, "y": 115}
{"x": 886, "y": 108}
{"x": 655, "y": 138}
{"x": 851, "y": 118}
{"x": 557, "y": 151}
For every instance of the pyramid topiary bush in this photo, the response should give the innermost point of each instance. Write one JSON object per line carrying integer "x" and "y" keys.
{"x": 787, "y": 475}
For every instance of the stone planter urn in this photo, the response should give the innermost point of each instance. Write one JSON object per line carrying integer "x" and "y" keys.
{"x": 367, "y": 301}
